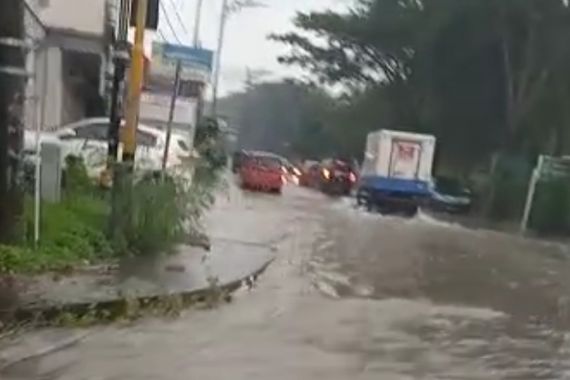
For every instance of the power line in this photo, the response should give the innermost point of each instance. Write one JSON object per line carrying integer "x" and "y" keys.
{"x": 169, "y": 23}
{"x": 161, "y": 35}
{"x": 176, "y": 12}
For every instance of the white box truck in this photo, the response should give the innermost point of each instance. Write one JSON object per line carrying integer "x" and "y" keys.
{"x": 396, "y": 174}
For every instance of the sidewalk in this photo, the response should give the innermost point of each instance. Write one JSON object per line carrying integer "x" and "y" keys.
{"x": 187, "y": 272}
{"x": 234, "y": 256}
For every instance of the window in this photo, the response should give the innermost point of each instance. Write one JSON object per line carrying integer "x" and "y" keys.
{"x": 92, "y": 132}
{"x": 189, "y": 89}
{"x": 146, "y": 139}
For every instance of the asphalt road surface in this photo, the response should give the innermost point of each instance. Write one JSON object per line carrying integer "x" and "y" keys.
{"x": 351, "y": 296}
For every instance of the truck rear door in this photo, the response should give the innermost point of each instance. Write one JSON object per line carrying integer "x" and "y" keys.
{"x": 405, "y": 159}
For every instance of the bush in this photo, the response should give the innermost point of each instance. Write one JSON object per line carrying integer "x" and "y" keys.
{"x": 157, "y": 214}
{"x": 509, "y": 196}
{"x": 507, "y": 188}
{"x": 166, "y": 210}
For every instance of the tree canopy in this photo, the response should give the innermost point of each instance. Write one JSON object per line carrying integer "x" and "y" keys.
{"x": 483, "y": 75}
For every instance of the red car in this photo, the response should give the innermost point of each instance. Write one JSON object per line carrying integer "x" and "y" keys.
{"x": 262, "y": 171}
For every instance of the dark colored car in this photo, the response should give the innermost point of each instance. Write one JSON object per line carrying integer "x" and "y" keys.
{"x": 449, "y": 195}
{"x": 337, "y": 177}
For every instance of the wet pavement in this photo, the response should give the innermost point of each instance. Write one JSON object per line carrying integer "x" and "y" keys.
{"x": 189, "y": 270}
{"x": 350, "y": 296}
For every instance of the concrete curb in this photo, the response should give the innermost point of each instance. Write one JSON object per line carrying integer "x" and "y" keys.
{"x": 63, "y": 344}
{"x": 116, "y": 306}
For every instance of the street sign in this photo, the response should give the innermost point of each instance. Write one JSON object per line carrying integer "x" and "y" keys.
{"x": 191, "y": 57}
{"x": 554, "y": 168}
{"x": 548, "y": 168}
{"x": 196, "y": 63}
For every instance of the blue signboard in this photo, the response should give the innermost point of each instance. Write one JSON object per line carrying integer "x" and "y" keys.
{"x": 188, "y": 56}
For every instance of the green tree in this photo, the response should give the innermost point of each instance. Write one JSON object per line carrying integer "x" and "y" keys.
{"x": 484, "y": 76}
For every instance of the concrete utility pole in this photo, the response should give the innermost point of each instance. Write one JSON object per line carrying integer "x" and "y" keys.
{"x": 218, "y": 65}
{"x": 12, "y": 80}
{"x": 197, "y": 22}
{"x": 227, "y": 9}
{"x": 135, "y": 87}
{"x": 196, "y": 43}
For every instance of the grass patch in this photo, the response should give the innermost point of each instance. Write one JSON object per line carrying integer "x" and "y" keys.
{"x": 71, "y": 232}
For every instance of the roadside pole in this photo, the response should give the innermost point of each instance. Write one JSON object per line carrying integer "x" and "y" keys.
{"x": 227, "y": 9}
{"x": 120, "y": 57}
{"x": 135, "y": 88}
{"x": 171, "y": 115}
{"x": 121, "y": 214}
{"x": 197, "y": 22}
{"x": 113, "y": 171}
{"x": 200, "y": 94}
{"x": 534, "y": 178}
{"x": 13, "y": 75}
{"x": 217, "y": 68}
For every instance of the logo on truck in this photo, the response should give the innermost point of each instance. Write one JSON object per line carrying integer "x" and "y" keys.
{"x": 405, "y": 159}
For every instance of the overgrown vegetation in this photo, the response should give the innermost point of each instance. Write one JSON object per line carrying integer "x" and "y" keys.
{"x": 72, "y": 231}
{"x": 165, "y": 210}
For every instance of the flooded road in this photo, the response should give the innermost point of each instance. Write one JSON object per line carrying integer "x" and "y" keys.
{"x": 351, "y": 296}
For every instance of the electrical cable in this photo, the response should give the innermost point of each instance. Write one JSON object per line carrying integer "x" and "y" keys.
{"x": 177, "y": 13}
{"x": 169, "y": 23}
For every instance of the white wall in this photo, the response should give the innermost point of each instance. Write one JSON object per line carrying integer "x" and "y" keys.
{"x": 82, "y": 16}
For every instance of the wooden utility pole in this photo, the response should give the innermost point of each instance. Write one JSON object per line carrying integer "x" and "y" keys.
{"x": 12, "y": 82}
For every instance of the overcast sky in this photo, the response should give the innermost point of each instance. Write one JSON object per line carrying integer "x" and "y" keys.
{"x": 246, "y": 43}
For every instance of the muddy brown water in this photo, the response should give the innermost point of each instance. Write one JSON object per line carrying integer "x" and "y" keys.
{"x": 351, "y": 296}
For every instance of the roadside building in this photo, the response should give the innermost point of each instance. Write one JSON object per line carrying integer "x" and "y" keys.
{"x": 196, "y": 66}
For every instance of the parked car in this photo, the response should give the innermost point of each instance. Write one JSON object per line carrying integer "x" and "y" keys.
{"x": 337, "y": 177}
{"x": 90, "y": 135}
{"x": 262, "y": 171}
{"x": 449, "y": 195}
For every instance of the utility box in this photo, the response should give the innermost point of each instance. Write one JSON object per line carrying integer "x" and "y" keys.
{"x": 51, "y": 172}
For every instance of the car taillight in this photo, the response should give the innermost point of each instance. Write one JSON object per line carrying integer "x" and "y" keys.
{"x": 284, "y": 169}
{"x": 326, "y": 173}
{"x": 283, "y": 179}
{"x": 352, "y": 177}
{"x": 296, "y": 180}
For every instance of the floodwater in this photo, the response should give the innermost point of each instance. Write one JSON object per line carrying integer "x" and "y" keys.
{"x": 351, "y": 296}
